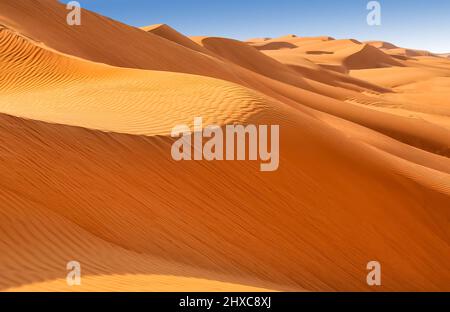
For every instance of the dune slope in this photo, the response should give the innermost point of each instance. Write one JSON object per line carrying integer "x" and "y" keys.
{"x": 87, "y": 172}
{"x": 135, "y": 48}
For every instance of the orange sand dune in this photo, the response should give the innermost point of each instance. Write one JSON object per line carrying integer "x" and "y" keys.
{"x": 307, "y": 259}
{"x": 423, "y": 135}
{"x": 259, "y": 39}
{"x": 408, "y": 52}
{"x": 87, "y": 172}
{"x": 285, "y": 42}
{"x": 150, "y": 95}
{"x": 292, "y": 89}
{"x": 171, "y": 34}
{"x": 340, "y": 55}
{"x": 142, "y": 50}
{"x": 381, "y": 44}
{"x": 392, "y": 77}
{"x": 420, "y": 90}
{"x": 102, "y": 40}
{"x": 246, "y": 56}
{"x": 309, "y": 69}
{"x": 348, "y": 54}
{"x": 392, "y": 49}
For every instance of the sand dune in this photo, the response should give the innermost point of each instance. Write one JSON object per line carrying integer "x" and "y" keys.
{"x": 140, "y": 190}
{"x": 347, "y": 54}
{"x": 420, "y": 90}
{"x": 340, "y": 55}
{"x": 171, "y": 34}
{"x": 131, "y": 47}
{"x": 393, "y": 50}
{"x": 289, "y": 42}
{"x": 313, "y": 77}
{"x": 292, "y": 89}
{"x": 315, "y": 72}
{"x": 248, "y": 57}
{"x": 85, "y": 121}
{"x": 382, "y": 44}
{"x": 102, "y": 40}
{"x": 149, "y": 95}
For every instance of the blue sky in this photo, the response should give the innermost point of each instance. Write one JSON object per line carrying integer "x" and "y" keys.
{"x": 420, "y": 24}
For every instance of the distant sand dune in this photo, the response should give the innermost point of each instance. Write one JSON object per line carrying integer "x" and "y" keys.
{"x": 289, "y": 41}
{"x": 348, "y": 54}
{"x": 391, "y": 49}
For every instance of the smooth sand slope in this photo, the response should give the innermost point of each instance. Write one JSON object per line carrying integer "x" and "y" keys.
{"x": 87, "y": 173}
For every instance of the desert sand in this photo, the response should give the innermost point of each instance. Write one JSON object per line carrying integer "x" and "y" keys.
{"x": 85, "y": 119}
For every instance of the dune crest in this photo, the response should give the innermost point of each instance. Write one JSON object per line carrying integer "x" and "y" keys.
{"x": 171, "y": 34}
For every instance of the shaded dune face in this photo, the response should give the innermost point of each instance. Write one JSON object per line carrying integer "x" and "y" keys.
{"x": 87, "y": 173}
